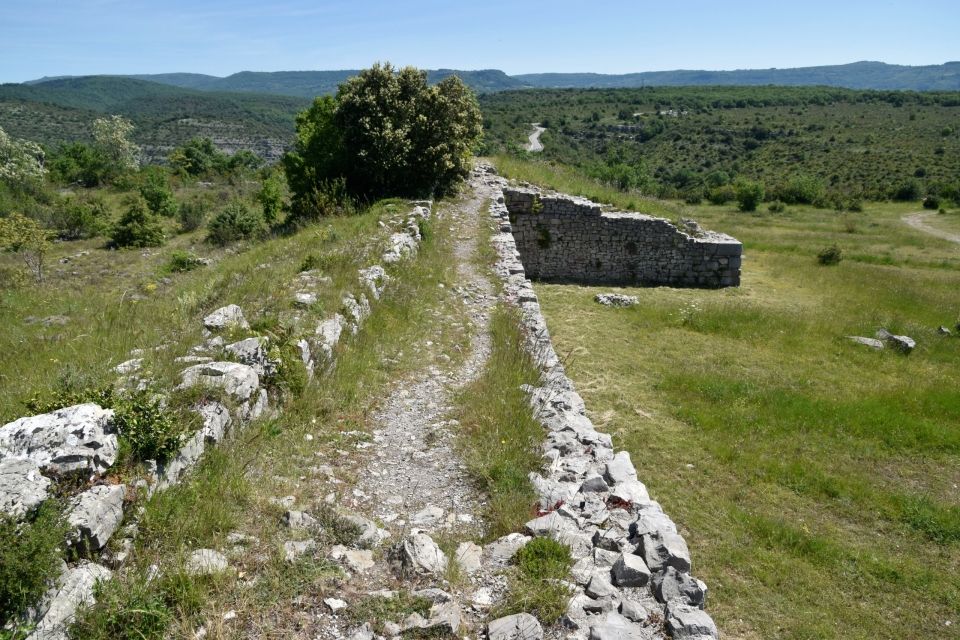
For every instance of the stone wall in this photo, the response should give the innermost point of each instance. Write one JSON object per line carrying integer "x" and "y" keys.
{"x": 633, "y": 571}
{"x": 563, "y": 238}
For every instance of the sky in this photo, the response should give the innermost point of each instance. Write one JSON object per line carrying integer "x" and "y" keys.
{"x": 85, "y": 37}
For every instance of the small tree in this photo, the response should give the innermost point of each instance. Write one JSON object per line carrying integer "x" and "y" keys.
{"x": 20, "y": 160}
{"x": 236, "y": 221}
{"x": 138, "y": 227}
{"x": 158, "y": 195}
{"x": 112, "y": 139}
{"x": 25, "y": 236}
{"x": 270, "y": 197}
{"x": 749, "y": 194}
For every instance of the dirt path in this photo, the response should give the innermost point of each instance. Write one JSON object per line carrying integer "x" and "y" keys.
{"x": 919, "y": 221}
{"x": 413, "y": 475}
{"x": 535, "y": 146}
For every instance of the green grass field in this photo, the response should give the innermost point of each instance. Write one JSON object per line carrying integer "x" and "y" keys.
{"x": 816, "y": 480}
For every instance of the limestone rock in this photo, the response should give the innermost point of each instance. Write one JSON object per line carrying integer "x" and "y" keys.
{"x": 93, "y": 516}
{"x": 357, "y": 560}
{"x": 294, "y": 549}
{"x": 620, "y": 469}
{"x": 375, "y": 279}
{"x": 304, "y": 298}
{"x": 22, "y": 487}
{"x": 205, "y": 562}
{"x": 74, "y": 588}
{"x": 370, "y": 534}
{"x": 903, "y": 344}
{"x": 594, "y": 484}
{"x": 630, "y": 571}
{"x": 129, "y": 366}
{"x": 468, "y": 557}
{"x": 216, "y": 421}
{"x": 78, "y": 438}
{"x": 686, "y": 622}
{"x": 228, "y": 317}
{"x": 252, "y": 352}
{"x": 427, "y": 516}
{"x": 299, "y": 520}
{"x": 239, "y": 380}
{"x": 521, "y": 626}
{"x": 633, "y": 611}
{"x": 873, "y": 343}
{"x": 328, "y": 334}
{"x": 617, "y": 627}
{"x": 600, "y": 586}
{"x": 630, "y": 491}
{"x": 672, "y": 585}
{"x": 665, "y": 549}
{"x": 616, "y": 300}
{"x": 501, "y": 551}
{"x": 420, "y": 554}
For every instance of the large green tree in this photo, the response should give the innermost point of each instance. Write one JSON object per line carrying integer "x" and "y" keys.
{"x": 385, "y": 133}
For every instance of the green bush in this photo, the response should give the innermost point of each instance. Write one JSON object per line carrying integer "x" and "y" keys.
{"x": 158, "y": 196}
{"x": 138, "y": 227}
{"x": 30, "y": 555}
{"x": 386, "y": 132}
{"x": 777, "y": 207}
{"x": 830, "y": 256}
{"x": 77, "y": 218}
{"x": 192, "y": 215}
{"x": 182, "y": 261}
{"x": 931, "y": 202}
{"x": 237, "y": 221}
{"x": 270, "y": 197}
{"x": 749, "y": 194}
{"x": 803, "y": 189}
{"x": 539, "y": 584}
{"x": 544, "y": 558}
{"x": 906, "y": 191}
{"x": 721, "y": 195}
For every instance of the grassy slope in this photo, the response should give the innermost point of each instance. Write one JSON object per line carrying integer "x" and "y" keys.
{"x": 815, "y": 479}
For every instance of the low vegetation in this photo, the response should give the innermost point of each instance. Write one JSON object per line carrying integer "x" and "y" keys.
{"x": 539, "y": 582}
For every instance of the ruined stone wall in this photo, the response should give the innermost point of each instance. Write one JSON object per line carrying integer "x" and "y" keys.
{"x": 568, "y": 239}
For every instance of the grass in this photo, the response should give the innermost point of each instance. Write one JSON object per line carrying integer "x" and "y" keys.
{"x": 235, "y": 487}
{"x": 814, "y": 479}
{"x": 498, "y": 434}
{"x": 538, "y": 583}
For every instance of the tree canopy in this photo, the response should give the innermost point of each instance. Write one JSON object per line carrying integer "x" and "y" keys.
{"x": 385, "y": 133}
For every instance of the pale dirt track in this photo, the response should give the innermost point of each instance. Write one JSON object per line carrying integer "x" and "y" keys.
{"x": 918, "y": 221}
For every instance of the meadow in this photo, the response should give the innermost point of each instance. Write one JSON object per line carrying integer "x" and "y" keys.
{"x": 815, "y": 479}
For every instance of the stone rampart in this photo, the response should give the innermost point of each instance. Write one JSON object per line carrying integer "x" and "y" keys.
{"x": 563, "y": 238}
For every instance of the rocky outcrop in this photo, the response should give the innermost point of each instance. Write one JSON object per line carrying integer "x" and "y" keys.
{"x": 78, "y": 438}
{"x": 74, "y": 588}
{"x": 22, "y": 487}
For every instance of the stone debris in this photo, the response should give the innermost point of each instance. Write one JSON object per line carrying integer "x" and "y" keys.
{"x": 616, "y": 300}
{"x": 335, "y": 604}
{"x": 205, "y": 562}
{"x": 293, "y": 550}
{"x": 239, "y": 380}
{"x": 129, "y": 366}
{"x": 521, "y": 626}
{"x": 468, "y": 557}
{"x": 419, "y": 554}
{"x": 356, "y": 560}
{"x": 73, "y": 589}
{"x": 22, "y": 487}
{"x": 686, "y": 622}
{"x": 93, "y": 516}
{"x": 903, "y": 344}
{"x": 224, "y": 318}
{"x": 631, "y": 571}
{"x": 679, "y": 586}
{"x": 252, "y": 352}
{"x": 873, "y": 343}
{"x": 78, "y": 438}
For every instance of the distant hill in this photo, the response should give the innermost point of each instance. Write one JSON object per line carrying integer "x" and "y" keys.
{"x": 63, "y": 109}
{"x": 857, "y": 75}
{"x": 304, "y": 84}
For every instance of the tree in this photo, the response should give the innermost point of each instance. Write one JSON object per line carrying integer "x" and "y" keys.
{"x": 112, "y": 139}
{"x": 78, "y": 163}
{"x": 25, "y": 236}
{"x": 270, "y": 196}
{"x": 197, "y": 157}
{"x": 20, "y": 160}
{"x": 138, "y": 227}
{"x": 749, "y": 194}
{"x": 158, "y": 195}
{"x": 386, "y": 132}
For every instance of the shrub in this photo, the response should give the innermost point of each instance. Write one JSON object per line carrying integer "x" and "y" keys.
{"x": 777, "y": 207}
{"x": 539, "y": 584}
{"x": 906, "y": 191}
{"x": 311, "y": 262}
{"x": 270, "y": 197}
{"x": 931, "y": 202}
{"x": 386, "y": 132}
{"x": 158, "y": 196}
{"x": 237, "y": 221}
{"x": 24, "y": 236}
{"x": 77, "y": 218}
{"x": 830, "y": 256}
{"x": 192, "y": 215}
{"x": 181, "y": 261}
{"x": 30, "y": 555}
{"x": 721, "y": 195}
{"x": 749, "y": 194}
{"x": 137, "y": 227}
{"x": 146, "y": 426}
{"x": 803, "y": 189}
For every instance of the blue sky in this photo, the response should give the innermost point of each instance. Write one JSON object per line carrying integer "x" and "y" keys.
{"x": 77, "y": 37}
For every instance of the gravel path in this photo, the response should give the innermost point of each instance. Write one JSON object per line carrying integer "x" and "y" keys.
{"x": 535, "y": 146}
{"x": 413, "y": 475}
{"x": 919, "y": 221}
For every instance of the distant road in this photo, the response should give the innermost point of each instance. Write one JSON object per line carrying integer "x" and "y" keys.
{"x": 535, "y": 146}
{"x": 918, "y": 221}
